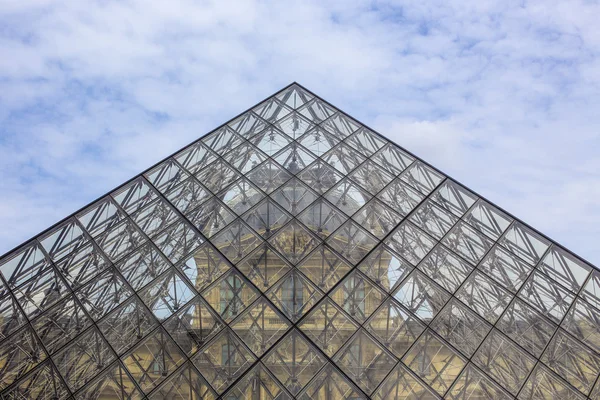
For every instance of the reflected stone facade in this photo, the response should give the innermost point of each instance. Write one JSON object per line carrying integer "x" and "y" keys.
{"x": 295, "y": 253}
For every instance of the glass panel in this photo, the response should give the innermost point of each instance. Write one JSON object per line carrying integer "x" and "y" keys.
{"x": 217, "y": 176}
{"x": 324, "y": 268}
{"x": 461, "y": 327}
{"x": 196, "y": 157}
{"x": 320, "y": 176}
{"x": 142, "y": 266}
{"x": 421, "y": 296}
{"x": 294, "y": 125}
{"x": 223, "y": 360}
{"x": 487, "y": 219}
{"x": 19, "y": 354}
{"x": 177, "y": 241}
{"x": 445, "y": 268}
{"x": 241, "y": 196}
{"x": 572, "y": 361}
{"x": 211, "y": 217}
{"x": 264, "y": 267}
{"x": 358, "y": 296}
{"x": 294, "y": 158}
{"x": 294, "y": 295}
{"x": 385, "y": 268}
{"x": 433, "y": 219}
{"x": 545, "y": 385}
{"x": 421, "y": 177}
{"x": 328, "y": 326}
{"x": 347, "y": 197}
{"x": 352, "y": 242}
{"x": 467, "y": 242}
{"x": 272, "y": 109}
{"x": 134, "y": 195}
{"x": 294, "y": 361}
{"x": 230, "y": 295}
{"x": 103, "y": 294}
{"x": 269, "y": 176}
{"x": 222, "y": 140}
{"x": 167, "y": 294}
{"x": 270, "y": 141}
{"x": 260, "y": 326}
{"x": 371, "y": 177}
{"x": 504, "y": 361}
{"x": 454, "y": 198}
{"x": 184, "y": 384}
{"x": 565, "y": 269}
{"x": 193, "y": 325}
{"x": 155, "y": 217}
{"x": 434, "y": 362}
{"x": 204, "y": 266}
{"x": 266, "y": 218}
{"x": 11, "y": 317}
{"x": 402, "y": 385}
{"x": 245, "y": 158}
{"x": 583, "y": 322}
{"x": 248, "y": 124}
{"x": 365, "y": 141}
{"x": 364, "y": 361}
{"x": 524, "y": 243}
{"x": 340, "y": 125}
{"x": 318, "y": 141}
{"x": 294, "y": 242}
{"x": 472, "y": 384}
{"x": 377, "y": 218}
{"x": 411, "y": 242}
{"x": 505, "y": 268}
{"x": 258, "y": 383}
{"x": 60, "y": 324}
{"x": 392, "y": 159}
{"x": 394, "y": 327}
{"x": 126, "y": 325}
{"x": 527, "y": 327}
{"x": 188, "y": 195}
{"x": 400, "y": 197}
{"x": 42, "y": 383}
{"x": 294, "y": 196}
{"x": 166, "y": 176}
{"x": 152, "y": 360}
{"x": 322, "y": 218}
{"x": 317, "y": 110}
{"x": 120, "y": 240}
{"x": 546, "y": 296}
{"x": 484, "y": 296}
{"x": 236, "y": 241}
{"x": 329, "y": 382}
{"x": 82, "y": 360}
{"x": 343, "y": 158}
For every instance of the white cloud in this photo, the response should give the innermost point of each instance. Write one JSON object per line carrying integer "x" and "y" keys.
{"x": 503, "y": 95}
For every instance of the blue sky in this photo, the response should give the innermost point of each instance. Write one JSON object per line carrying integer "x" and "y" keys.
{"x": 502, "y": 95}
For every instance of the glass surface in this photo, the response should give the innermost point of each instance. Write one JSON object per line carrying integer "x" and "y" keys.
{"x": 295, "y": 253}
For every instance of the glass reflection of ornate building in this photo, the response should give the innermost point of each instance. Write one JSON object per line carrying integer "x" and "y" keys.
{"x": 294, "y": 253}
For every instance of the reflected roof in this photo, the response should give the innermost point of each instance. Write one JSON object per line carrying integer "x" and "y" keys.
{"x": 295, "y": 253}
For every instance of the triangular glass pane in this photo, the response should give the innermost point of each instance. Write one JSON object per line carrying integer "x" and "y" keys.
{"x": 114, "y": 383}
{"x": 343, "y": 158}
{"x": 241, "y": 196}
{"x": 371, "y": 177}
{"x": 245, "y": 158}
{"x": 352, "y": 242}
{"x": 134, "y": 195}
{"x": 19, "y": 354}
{"x": 433, "y": 219}
{"x": 484, "y": 296}
{"x": 42, "y": 383}
{"x": 392, "y": 159}
{"x": 236, "y": 241}
{"x": 445, "y": 268}
{"x": 294, "y": 96}
{"x": 377, "y": 218}
{"x": 320, "y": 176}
{"x": 422, "y": 297}
{"x": 142, "y": 266}
{"x": 196, "y": 157}
{"x": 266, "y": 218}
{"x": 272, "y": 109}
{"x": 330, "y": 382}
{"x": 316, "y": 111}
{"x": 422, "y": 177}
{"x": 248, "y": 125}
{"x": 222, "y": 140}
{"x": 411, "y": 242}
{"x": 188, "y": 195}
{"x": 103, "y": 294}
{"x": 166, "y": 176}
{"x": 318, "y": 141}
{"x": 167, "y": 294}
{"x": 401, "y": 384}
{"x": 473, "y": 384}
{"x": 217, "y": 176}
{"x": 544, "y": 384}
{"x": 340, "y": 125}
{"x": 365, "y": 141}
{"x": 269, "y": 176}
{"x": 454, "y": 198}
{"x": 211, "y": 217}
{"x": 204, "y": 266}
{"x": 400, "y": 197}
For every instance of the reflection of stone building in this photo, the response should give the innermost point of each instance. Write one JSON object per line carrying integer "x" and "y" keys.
{"x": 293, "y": 253}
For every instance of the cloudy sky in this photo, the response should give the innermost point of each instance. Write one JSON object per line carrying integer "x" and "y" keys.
{"x": 502, "y": 95}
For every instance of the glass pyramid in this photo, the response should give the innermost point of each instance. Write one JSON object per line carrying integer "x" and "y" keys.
{"x": 295, "y": 253}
